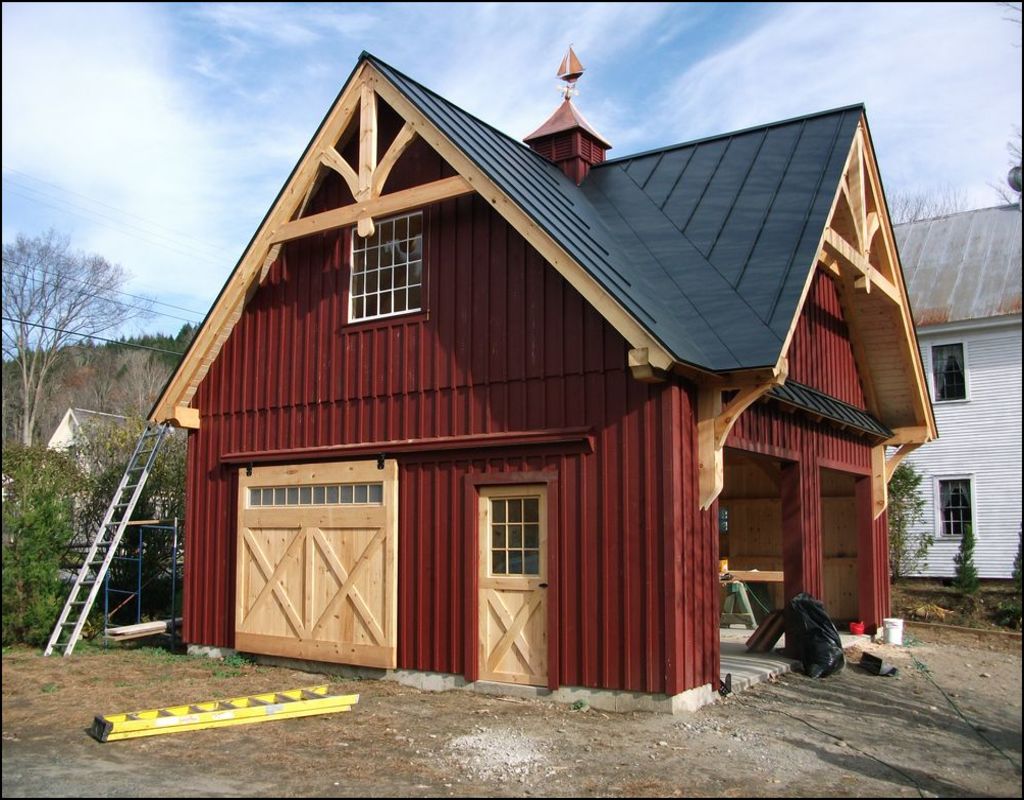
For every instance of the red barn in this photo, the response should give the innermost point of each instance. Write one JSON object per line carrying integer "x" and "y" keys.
{"x": 495, "y": 410}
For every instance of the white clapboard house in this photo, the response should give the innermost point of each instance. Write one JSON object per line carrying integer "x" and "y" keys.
{"x": 964, "y": 276}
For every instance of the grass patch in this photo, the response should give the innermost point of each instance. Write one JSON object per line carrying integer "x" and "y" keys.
{"x": 49, "y": 688}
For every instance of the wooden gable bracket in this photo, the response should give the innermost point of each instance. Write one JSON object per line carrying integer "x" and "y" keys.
{"x": 714, "y": 423}
{"x": 906, "y": 440}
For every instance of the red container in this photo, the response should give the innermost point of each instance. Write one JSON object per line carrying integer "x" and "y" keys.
{"x": 857, "y": 628}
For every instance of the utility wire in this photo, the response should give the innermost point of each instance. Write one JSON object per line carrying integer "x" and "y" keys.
{"x": 118, "y": 291}
{"x": 926, "y": 671}
{"x": 40, "y": 196}
{"x": 84, "y": 213}
{"x": 812, "y": 726}
{"x": 111, "y": 300}
{"x": 91, "y": 336}
{"x": 146, "y": 220}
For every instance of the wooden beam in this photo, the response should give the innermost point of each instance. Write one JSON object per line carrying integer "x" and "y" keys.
{"x": 642, "y": 369}
{"x": 401, "y": 143}
{"x": 879, "y": 481}
{"x": 895, "y": 459}
{"x": 367, "y": 139}
{"x": 710, "y": 459}
{"x": 225, "y": 312}
{"x": 384, "y": 205}
{"x": 713, "y": 426}
{"x": 185, "y": 417}
{"x": 867, "y": 274}
{"x": 332, "y": 158}
{"x": 744, "y": 398}
{"x": 914, "y": 435}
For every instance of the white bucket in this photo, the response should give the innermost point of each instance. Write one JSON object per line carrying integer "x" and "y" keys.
{"x": 893, "y": 631}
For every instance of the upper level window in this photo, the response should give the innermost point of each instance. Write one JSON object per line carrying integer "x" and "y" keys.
{"x": 948, "y": 372}
{"x": 387, "y": 269}
{"x": 955, "y": 505}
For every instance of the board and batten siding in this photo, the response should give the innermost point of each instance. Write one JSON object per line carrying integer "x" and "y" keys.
{"x": 504, "y": 344}
{"x": 979, "y": 438}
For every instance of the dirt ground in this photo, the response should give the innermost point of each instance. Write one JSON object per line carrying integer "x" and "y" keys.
{"x": 852, "y": 734}
{"x": 930, "y": 600}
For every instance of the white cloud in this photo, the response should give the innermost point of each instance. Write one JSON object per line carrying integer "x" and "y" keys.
{"x": 88, "y": 105}
{"x": 941, "y": 82}
{"x": 186, "y": 119}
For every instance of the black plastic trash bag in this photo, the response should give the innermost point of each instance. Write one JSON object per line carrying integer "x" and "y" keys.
{"x": 817, "y": 640}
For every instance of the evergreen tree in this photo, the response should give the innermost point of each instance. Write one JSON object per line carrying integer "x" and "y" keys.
{"x": 966, "y": 580}
{"x": 1016, "y": 565}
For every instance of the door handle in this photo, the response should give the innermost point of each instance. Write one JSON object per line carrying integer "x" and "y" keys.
{"x": 542, "y": 586}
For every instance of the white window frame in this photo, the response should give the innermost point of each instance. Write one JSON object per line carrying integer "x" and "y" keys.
{"x": 940, "y": 528}
{"x": 931, "y": 370}
{"x": 352, "y": 320}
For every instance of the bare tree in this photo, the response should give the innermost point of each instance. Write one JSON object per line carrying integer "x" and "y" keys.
{"x": 53, "y": 296}
{"x": 1006, "y": 191}
{"x": 907, "y": 206}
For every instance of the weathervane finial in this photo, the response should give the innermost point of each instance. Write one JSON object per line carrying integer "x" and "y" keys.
{"x": 569, "y": 71}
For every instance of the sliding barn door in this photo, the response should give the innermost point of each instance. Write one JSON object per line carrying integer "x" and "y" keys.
{"x": 317, "y": 563}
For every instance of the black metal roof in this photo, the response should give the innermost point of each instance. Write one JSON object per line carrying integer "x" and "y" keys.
{"x": 707, "y": 244}
{"x": 801, "y": 396}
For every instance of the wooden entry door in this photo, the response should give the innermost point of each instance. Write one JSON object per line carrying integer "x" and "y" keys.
{"x": 513, "y": 584}
{"x": 317, "y": 562}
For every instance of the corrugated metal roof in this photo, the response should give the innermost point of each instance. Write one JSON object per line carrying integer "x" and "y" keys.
{"x": 706, "y": 244}
{"x": 816, "y": 402}
{"x": 963, "y": 266}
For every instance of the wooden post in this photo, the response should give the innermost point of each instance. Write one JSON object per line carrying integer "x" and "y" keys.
{"x": 792, "y": 542}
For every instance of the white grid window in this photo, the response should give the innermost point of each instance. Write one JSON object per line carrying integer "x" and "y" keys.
{"x": 387, "y": 269}
{"x": 344, "y": 494}
{"x": 955, "y": 506}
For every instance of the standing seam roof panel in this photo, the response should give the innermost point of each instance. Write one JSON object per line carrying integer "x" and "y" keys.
{"x": 755, "y": 217}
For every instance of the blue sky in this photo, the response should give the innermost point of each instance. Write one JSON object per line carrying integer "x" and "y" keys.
{"x": 158, "y": 135}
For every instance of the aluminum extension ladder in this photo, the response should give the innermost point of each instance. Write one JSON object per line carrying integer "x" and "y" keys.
{"x": 104, "y": 544}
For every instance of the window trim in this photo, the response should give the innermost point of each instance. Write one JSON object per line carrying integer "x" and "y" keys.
{"x": 931, "y": 370}
{"x": 407, "y": 313}
{"x": 940, "y": 528}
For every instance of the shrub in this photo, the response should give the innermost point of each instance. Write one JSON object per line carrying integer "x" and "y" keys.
{"x": 1016, "y": 570}
{"x": 966, "y": 580}
{"x": 907, "y": 552}
{"x": 38, "y": 520}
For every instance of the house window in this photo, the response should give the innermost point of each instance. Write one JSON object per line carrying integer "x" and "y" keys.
{"x": 387, "y": 269}
{"x": 515, "y": 536}
{"x": 948, "y": 372}
{"x": 955, "y": 506}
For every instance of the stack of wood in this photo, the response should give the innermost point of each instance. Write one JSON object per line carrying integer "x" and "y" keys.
{"x": 929, "y": 612}
{"x": 142, "y": 629}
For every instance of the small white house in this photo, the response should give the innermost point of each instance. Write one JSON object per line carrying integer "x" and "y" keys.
{"x": 77, "y": 422}
{"x": 964, "y": 276}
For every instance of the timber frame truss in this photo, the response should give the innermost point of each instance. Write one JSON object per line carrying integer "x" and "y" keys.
{"x": 857, "y": 249}
{"x": 286, "y": 221}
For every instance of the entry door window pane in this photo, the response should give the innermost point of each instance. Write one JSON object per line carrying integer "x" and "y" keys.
{"x": 515, "y": 536}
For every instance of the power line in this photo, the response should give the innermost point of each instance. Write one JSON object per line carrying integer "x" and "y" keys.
{"x": 199, "y": 314}
{"x": 38, "y": 193}
{"x": 110, "y": 299}
{"x": 92, "y": 336}
{"x": 139, "y": 217}
{"x": 84, "y": 213}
